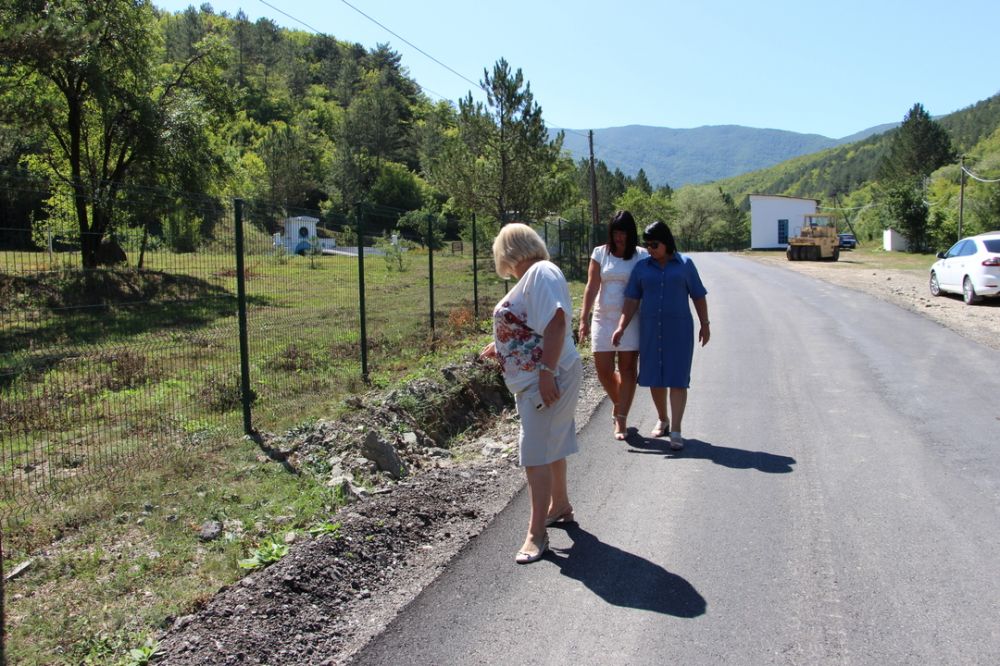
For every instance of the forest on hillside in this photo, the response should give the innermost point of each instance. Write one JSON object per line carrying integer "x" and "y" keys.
{"x": 949, "y": 186}
{"x": 118, "y": 117}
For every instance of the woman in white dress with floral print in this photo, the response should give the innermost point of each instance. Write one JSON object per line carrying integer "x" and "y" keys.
{"x": 533, "y": 342}
{"x": 610, "y": 267}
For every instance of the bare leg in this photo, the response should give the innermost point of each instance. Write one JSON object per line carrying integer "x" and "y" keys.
{"x": 627, "y": 369}
{"x": 604, "y": 363}
{"x": 540, "y": 492}
{"x": 678, "y": 401}
{"x": 659, "y": 395}
{"x": 559, "y": 497}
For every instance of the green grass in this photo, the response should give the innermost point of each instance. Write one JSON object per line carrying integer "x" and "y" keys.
{"x": 121, "y": 431}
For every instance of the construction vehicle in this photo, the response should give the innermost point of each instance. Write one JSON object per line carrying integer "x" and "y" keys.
{"x": 817, "y": 239}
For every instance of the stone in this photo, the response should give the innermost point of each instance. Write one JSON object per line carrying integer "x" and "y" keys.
{"x": 383, "y": 454}
{"x": 210, "y": 531}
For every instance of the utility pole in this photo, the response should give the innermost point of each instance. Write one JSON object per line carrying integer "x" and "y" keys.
{"x": 961, "y": 199}
{"x": 593, "y": 182}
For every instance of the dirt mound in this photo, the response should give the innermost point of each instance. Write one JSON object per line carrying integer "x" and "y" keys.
{"x": 327, "y": 597}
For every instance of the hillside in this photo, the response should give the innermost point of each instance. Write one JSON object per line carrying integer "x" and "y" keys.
{"x": 843, "y": 169}
{"x": 703, "y": 154}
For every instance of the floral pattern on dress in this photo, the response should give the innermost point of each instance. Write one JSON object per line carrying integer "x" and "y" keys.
{"x": 518, "y": 346}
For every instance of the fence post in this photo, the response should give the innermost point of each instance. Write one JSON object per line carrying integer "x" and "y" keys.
{"x": 3, "y": 608}
{"x": 241, "y": 301}
{"x": 359, "y": 212}
{"x": 475, "y": 270}
{"x": 430, "y": 266}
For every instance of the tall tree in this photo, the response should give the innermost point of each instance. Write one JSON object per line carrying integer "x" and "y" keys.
{"x": 500, "y": 155}
{"x": 917, "y": 148}
{"x": 81, "y": 73}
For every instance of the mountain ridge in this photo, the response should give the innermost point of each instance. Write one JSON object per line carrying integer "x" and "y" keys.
{"x": 678, "y": 157}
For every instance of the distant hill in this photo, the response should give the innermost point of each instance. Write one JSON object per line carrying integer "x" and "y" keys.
{"x": 679, "y": 157}
{"x": 853, "y": 164}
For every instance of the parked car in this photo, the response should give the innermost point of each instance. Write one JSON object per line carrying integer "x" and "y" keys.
{"x": 971, "y": 268}
{"x": 848, "y": 241}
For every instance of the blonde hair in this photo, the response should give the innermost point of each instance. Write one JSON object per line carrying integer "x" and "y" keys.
{"x": 515, "y": 243}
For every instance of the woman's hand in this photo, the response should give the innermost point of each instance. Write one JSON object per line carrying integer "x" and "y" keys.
{"x": 489, "y": 352}
{"x": 547, "y": 388}
{"x": 584, "y": 329}
{"x": 704, "y": 334}
{"x": 616, "y": 337}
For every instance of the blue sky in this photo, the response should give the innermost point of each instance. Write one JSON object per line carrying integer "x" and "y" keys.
{"x": 830, "y": 68}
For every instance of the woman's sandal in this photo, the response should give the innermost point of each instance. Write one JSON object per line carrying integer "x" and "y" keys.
{"x": 527, "y": 557}
{"x": 661, "y": 429}
{"x": 676, "y": 441}
{"x": 564, "y": 517}
{"x": 621, "y": 427}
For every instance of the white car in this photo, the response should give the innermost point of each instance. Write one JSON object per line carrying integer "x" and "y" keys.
{"x": 971, "y": 268}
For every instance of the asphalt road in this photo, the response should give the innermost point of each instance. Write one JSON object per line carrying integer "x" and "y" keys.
{"x": 838, "y": 502}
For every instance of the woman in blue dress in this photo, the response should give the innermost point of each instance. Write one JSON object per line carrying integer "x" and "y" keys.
{"x": 659, "y": 289}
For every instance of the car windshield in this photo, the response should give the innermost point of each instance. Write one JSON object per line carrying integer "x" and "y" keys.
{"x": 992, "y": 245}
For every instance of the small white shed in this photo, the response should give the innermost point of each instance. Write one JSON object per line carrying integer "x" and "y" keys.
{"x": 775, "y": 217}
{"x": 296, "y": 233}
{"x": 893, "y": 241}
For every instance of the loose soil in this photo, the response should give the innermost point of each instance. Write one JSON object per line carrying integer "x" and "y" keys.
{"x": 331, "y": 594}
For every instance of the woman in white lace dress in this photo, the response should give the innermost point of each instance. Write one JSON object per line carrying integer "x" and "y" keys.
{"x": 610, "y": 267}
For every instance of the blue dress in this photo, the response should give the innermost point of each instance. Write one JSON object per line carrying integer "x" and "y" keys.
{"x": 666, "y": 327}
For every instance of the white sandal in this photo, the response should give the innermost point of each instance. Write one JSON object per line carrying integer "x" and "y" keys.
{"x": 661, "y": 428}
{"x": 676, "y": 441}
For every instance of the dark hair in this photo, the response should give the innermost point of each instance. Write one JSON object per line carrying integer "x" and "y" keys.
{"x": 623, "y": 221}
{"x": 658, "y": 231}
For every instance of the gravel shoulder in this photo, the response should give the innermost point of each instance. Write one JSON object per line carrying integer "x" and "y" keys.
{"x": 907, "y": 289}
{"x": 331, "y": 594}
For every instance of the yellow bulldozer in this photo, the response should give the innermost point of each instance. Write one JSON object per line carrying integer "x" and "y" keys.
{"x": 817, "y": 239}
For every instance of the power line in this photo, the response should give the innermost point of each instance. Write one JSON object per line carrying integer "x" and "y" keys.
{"x": 979, "y": 178}
{"x": 405, "y": 41}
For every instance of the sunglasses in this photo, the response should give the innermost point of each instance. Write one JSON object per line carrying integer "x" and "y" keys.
{"x": 652, "y": 245}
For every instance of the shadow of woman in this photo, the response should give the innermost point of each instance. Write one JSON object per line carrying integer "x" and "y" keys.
{"x": 624, "y": 579}
{"x": 720, "y": 455}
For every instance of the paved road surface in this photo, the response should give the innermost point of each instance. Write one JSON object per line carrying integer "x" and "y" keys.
{"x": 838, "y": 502}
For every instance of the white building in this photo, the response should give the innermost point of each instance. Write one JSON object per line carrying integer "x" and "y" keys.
{"x": 296, "y": 234}
{"x": 893, "y": 241}
{"x": 775, "y": 218}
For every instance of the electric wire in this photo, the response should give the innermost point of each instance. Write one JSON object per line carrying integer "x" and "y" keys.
{"x": 980, "y": 178}
{"x": 405, "y": 41}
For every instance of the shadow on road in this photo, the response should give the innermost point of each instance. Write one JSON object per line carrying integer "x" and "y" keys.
{"x": 624, "y": 579}
{"x": 720, "y": 455}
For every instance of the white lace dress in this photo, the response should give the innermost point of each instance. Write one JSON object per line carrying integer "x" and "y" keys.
{"x": 615, "y": 272}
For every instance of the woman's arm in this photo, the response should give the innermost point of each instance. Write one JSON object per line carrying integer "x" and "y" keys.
{"x": 552, "y": 343}
{"x": 701, "y": 308}
{"x": 628, "y": 311}
{"x": 589, "y": 294}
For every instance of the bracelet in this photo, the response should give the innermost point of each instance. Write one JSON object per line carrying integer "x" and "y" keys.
{"x": 542, "y": 366}
{"x": 705, "y": 323}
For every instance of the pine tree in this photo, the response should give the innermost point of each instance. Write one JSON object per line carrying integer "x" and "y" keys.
{"x": 918, "y": 148}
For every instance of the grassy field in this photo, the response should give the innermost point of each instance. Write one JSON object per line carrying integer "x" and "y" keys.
{"x": 121, "y": 429}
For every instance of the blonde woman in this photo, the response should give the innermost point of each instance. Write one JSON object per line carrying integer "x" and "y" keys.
{"x": 533, "y": 343}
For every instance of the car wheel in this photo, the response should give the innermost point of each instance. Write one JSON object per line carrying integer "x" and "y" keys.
{"x": 968, "y": 291}
{"x": 935, "y": 287}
